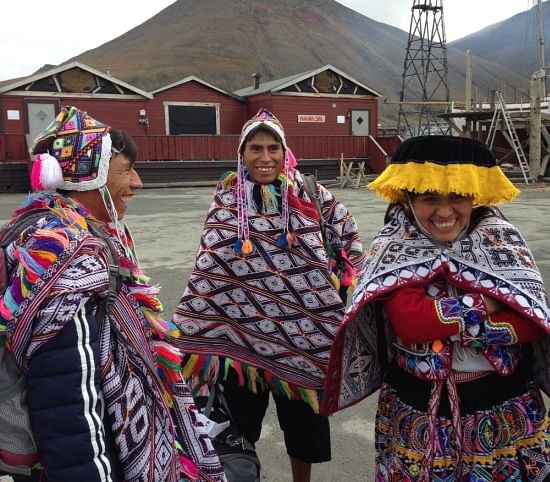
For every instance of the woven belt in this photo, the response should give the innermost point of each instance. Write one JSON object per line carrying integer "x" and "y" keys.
{"x": 465, "y": 377}
{"x": 433, "y": 406}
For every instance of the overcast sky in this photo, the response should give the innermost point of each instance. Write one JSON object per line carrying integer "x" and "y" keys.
{"x": 34, "y": 33}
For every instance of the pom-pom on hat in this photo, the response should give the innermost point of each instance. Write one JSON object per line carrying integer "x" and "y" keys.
{"x": 446, "y": 165}
{"x": 73, "y": 153}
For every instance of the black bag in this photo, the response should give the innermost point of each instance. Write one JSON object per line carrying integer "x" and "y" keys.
{"x": 237, "y": 455}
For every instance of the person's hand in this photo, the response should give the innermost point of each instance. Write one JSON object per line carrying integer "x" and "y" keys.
{"x": 492, "y": 305}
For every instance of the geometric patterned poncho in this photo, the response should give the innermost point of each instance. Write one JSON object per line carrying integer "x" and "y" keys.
{"x": 492, "y": 259}
{"x": 271, "y": 314}
{"x": 60, "y": 266}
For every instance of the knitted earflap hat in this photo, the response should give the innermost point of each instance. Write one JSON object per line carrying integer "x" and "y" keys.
{"x": 446, "y": 165}
{"x": 266, "y": 119}
{"x": 72, "y": 153}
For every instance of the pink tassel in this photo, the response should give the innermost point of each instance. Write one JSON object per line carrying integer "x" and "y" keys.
{"x": 292, "y": 163}
{"x": 349, "y": 270}
{"x": 35, "y": 174}
{"x": 46, "y": 173}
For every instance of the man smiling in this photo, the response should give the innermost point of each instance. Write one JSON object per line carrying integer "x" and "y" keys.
{"x": 261, "y": 306}
{"x": 90, "y": 343}
{"x": 263, "y": 157}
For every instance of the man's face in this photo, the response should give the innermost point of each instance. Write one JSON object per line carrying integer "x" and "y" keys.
{"x": 122, "y": 181}
{"x": 263, "y": 156}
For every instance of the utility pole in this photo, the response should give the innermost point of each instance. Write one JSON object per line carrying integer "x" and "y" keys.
{"x": 468, "y": 103}
{"x": 541, "y": 35}
{"x": 535, "y": 124}
{"x": 536, "y": 91}
{"x": 425, "y": 71}
{"x": 468, "y": 99}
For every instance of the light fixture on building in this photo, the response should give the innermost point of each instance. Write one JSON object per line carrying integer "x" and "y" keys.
{"x": 143, "y": 120}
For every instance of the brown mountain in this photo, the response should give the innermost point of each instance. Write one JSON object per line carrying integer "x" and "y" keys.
{"x": 225, "y": 41}
{"x": 513, "y": 42}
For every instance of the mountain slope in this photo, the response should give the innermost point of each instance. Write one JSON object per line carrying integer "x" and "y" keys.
{"x": 512, "y": 42}
{"x": 225, "y": 41}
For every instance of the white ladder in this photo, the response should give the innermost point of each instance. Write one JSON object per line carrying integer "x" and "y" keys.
{"x": 500, "y": 109}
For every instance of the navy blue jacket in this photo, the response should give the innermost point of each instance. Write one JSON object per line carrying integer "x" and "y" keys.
{"x": 66, "y": 407}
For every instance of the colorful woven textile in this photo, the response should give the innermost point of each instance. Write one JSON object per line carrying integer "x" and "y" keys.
{"x": 82, "y": 147}
{"x": 511, "y": 442}
{"x": 274, "y": 309}
{"x": 492, "y": 259}
{"x": 61, "y": 267}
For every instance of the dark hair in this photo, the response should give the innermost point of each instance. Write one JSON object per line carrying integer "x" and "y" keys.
{"x": 124, "y": 144}
{"x": 263, "y": 129}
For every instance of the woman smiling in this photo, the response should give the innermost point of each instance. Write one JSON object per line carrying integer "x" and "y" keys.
{"x": 459, "y": 312}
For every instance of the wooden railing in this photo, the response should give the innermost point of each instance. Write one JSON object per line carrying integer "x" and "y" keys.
{"x": 13, "y": 148}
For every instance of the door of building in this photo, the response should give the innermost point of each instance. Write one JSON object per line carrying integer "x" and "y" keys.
{"x": 39, "y": 116}
{"x": 360, "y": 122}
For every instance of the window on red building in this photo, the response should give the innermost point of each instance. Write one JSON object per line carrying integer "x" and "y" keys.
{"x": 191, "y": 119}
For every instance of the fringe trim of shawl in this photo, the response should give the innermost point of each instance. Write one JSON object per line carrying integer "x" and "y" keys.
{"x": 67, "y": 220}
{"x": 209, "y": 368}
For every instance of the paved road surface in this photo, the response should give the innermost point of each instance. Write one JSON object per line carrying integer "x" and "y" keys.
{"x": 167, "y": 223}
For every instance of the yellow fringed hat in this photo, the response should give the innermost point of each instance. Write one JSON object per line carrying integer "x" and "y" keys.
{"x": 446, "y": 165}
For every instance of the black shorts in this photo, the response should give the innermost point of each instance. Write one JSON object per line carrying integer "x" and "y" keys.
{"x": 307, "y": 434}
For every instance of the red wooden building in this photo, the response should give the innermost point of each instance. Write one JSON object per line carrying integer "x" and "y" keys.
{"x": 188, "y": 130}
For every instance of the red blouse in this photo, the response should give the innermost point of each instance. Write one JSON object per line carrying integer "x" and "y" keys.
{"x": 416, "y": 318}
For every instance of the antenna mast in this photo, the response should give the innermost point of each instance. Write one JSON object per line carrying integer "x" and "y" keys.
{"x": 425, "y": 72}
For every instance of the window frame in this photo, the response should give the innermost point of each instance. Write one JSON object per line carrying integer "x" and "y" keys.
{"x": 167, "y": 106}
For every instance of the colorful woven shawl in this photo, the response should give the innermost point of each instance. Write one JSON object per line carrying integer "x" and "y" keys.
{"x": 492, "y": 259}
{"x": 44, "y": 295}
{"x": 271, "y": 314}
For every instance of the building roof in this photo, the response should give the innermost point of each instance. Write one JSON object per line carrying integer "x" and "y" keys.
{"x": 25, "y": 83}
{"x": 191, "y": 78}
{"x": 279, "y": 85}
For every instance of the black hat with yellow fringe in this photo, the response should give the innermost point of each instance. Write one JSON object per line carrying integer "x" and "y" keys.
{"x": 446, "y": 165}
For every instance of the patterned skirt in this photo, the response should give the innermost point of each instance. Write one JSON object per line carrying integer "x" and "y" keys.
{"x": 505, "y": 441}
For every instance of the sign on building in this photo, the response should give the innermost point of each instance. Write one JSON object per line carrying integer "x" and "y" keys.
{"x": 311, "y": 118}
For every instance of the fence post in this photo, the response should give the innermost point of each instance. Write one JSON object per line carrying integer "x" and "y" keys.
{"x": 341, "y": 169}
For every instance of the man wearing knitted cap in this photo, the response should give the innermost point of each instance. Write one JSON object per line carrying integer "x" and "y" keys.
{"x": 84, "y": 325}
{"x": 262, "y": 304}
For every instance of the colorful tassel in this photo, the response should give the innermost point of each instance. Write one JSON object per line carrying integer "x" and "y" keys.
{"x": 238, "y": 247}
{"x": 226, "y": 366}
{"x": 247, "y": 246}
{"x": 46, "y": 173}
{"x": 253, "y": 379}
{"x": 269, "y": 198}
{"x": 227, "y": 180}
{"x": 290, "y": 239}
{"x": 188, "y": 469}
{"x": 189, "y": 366}
{"x": 237, "y": 367}
{"x": 212, "y": 369}
{"x": 282, "y": 241}
{"x": 2, "y": 334}
{"x": 250, "y": 376}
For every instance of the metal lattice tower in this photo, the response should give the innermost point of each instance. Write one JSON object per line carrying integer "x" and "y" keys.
{"x": 424, "y": 91}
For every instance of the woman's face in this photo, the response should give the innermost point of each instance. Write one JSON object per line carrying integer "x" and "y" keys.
{"x": 442, "y": 217}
